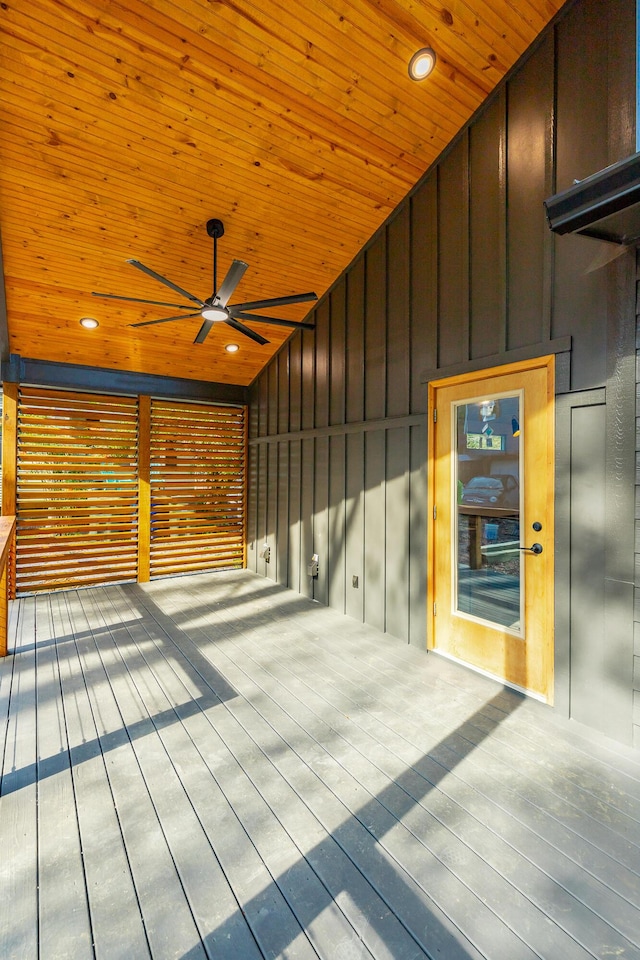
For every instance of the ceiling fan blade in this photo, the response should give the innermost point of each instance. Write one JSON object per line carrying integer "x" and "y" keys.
{"x": 149, "y": 323}
{"x": 172, "y": 286}
{"x": 230, "y": 282}
{"x": 204, "y": 331}
{"x": 256, "y": 318}
{"x": 154, "y": 303}
{"x": 240, "y": 327}
{"x": 275, "y": 301}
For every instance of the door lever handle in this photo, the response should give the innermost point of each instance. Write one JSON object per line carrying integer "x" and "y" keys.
{"x": 536, "y": 548}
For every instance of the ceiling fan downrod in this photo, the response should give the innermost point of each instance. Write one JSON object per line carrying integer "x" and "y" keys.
{"x": 215, "y": 229}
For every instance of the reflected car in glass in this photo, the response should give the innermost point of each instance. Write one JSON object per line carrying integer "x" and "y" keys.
{"x": 498, "y": 491}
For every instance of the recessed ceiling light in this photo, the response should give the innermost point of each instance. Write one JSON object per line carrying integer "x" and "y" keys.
{"x": 89, "y": 323}
{"x": 422, "y": 63}
{"x": 232, "y": 347}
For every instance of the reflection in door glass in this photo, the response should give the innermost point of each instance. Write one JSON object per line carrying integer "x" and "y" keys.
{"x": 488, "y": 510}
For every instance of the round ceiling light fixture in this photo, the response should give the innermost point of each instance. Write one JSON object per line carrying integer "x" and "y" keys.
{"x": 231, "y": 347}
{"x": 422, "y": 63}
{"x": 89, "y": 323}
{"x": 214, "y": 313}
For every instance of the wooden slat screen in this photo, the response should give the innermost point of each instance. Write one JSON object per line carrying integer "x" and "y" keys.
{"x": 197, "y": 481}
{"x": 76, "y": 489}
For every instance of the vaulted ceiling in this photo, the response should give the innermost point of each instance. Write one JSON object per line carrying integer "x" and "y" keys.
{"x": 127, "y": 124}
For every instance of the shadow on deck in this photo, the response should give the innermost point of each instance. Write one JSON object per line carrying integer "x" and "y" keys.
{"x": 214, "y": 767}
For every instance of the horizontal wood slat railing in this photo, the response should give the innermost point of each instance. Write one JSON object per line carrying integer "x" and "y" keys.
{"x": 196, "y": 481}
{"x": 112, "y": 488}
{"x": 77, "y": 496}
{"x": 7, "y": 532}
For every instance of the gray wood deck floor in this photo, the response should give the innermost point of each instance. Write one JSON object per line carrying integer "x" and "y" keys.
{"x": 214, "y": 767}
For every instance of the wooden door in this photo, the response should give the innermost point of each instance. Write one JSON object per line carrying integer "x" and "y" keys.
{"x": 491, "y": 548}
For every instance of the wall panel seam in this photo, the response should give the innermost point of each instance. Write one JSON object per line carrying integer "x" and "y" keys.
{"x": 386, "y": 423}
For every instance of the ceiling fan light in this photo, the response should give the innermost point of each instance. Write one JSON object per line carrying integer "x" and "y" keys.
{"x": 422, "y": 63}
{"x": 214, "y": 313}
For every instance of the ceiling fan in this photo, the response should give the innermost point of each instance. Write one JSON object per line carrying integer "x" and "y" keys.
{"x": 216, "y": 308}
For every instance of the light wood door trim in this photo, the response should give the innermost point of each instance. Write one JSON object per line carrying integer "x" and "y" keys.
{"x": 527, "y": 665}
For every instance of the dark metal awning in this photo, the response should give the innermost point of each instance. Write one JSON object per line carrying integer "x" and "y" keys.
{"x": 605, "y": 205}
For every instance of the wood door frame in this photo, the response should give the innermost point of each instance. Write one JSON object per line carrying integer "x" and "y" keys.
{"x": 524, "y": 366}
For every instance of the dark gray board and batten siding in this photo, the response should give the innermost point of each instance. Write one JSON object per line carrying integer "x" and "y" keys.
{"x": 467, "y": 275}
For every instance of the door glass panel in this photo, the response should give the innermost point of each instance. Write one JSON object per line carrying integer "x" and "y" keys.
{"x": 487, "y": 516}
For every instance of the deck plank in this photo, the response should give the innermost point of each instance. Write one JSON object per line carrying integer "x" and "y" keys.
{"x": 256, "y": 792}
{"x": 241, "y": 773}
{"x": 64, "y": 925}
{"x": 536, "y": 864}
{"x": 6, "y": 679}
{"x": 338, "y": 672}
{"x": 18, "y": 803}
{"x": 349, "y": 837}
{"x": 618, "y": 909}
{"x": 470, "y": 856}
{"x": 541, "y": 836}
{"x": 264, "y": 906}
{"x": 371, "y": 827}
{"x": 168, "y": 920}
{"x": 186, "y": 812}
{"x": 116, "y": 920}
{"x": 558, "y": 793}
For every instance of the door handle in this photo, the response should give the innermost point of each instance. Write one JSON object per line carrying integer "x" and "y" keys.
{"x": 536, "y": 548}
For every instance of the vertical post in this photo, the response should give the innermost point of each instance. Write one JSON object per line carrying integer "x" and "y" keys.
{"x": 7, "y": 529}
{"x": 144, "y": 489}
{"x": 9, "y": 469}
{"x": 245, "y": 483}
{"x": 475, "y": 542}
{"x": 637, "y": 74}
{"x": 4, "y": 614}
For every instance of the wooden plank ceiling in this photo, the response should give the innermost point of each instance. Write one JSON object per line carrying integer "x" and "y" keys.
{"x": 127, "y": 124}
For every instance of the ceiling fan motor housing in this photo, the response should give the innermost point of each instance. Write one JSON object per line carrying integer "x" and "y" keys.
{"x": 215, "y": 228}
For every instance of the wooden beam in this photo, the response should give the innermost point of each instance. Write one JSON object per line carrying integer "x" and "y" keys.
{"x": 144, "y": 490}
{"x": 98, "y": 379}
{"x": 245, "y": 480}
{"x": 9, "y": 447}
{"x": 9, "y": 464}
